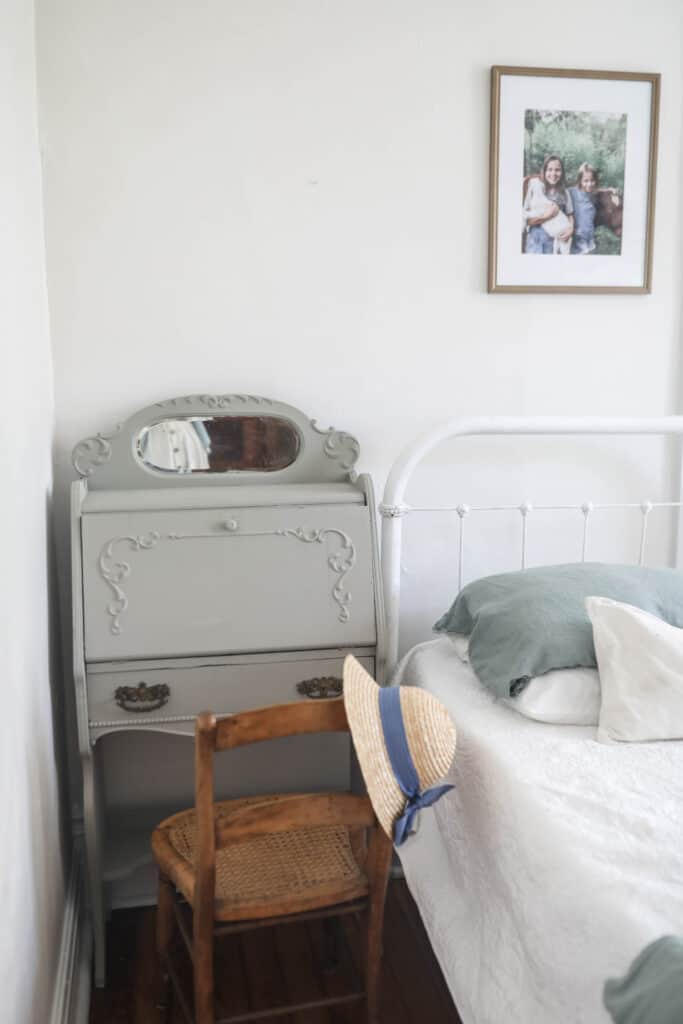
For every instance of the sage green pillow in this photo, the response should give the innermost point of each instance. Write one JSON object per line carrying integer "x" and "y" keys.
{"x": 522, "y": 624}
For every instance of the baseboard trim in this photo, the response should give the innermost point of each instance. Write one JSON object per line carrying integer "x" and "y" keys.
{"x": 71, "y": 998}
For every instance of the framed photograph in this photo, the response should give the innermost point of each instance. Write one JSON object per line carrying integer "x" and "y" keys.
{"x": 572, "y": 174}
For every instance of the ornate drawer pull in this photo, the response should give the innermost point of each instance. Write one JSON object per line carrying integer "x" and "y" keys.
{"x": 320, "y": 687}
{"x": 142, "y": 697}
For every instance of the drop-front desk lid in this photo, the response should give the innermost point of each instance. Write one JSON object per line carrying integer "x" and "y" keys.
{"x": 223, "y": 524}
{"x": 167, "y": 582}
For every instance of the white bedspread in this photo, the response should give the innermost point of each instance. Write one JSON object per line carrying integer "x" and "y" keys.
{"x": 552, "y": 863}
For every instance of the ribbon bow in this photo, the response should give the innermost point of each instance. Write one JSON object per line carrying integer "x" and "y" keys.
{"x": 402, "y": 764}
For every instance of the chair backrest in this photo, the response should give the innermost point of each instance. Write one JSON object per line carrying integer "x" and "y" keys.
{"x": 280, "y": 720}
{"x": 296, "y": 811}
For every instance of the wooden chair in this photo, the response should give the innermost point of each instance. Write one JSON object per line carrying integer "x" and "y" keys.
{"x": 224, "y": 865}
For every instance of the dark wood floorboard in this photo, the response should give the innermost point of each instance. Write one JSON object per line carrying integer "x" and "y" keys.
{"x": 288, "y": 963}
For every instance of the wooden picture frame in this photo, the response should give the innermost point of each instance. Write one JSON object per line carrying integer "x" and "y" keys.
{"x": 573, "y": 161}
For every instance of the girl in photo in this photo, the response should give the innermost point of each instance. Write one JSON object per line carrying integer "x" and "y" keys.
{"x": 584, "y": 196}
{"x": 548, "y": 211}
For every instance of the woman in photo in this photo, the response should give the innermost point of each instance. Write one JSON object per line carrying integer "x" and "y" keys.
{"x": 584, "y": 200}
{"x": 548, "y": 211}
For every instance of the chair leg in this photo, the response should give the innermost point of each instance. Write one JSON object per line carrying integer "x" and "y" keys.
{"x": 165, "y": 924}
{"x": 379, "y": 861}
{"x": 373, "y": 962}
{"x": 202, "y": 956}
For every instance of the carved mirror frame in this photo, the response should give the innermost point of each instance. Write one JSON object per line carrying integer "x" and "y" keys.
{"x": 111, "y": 459}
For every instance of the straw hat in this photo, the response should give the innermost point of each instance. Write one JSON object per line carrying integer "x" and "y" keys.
{"x": 430, "y": 735}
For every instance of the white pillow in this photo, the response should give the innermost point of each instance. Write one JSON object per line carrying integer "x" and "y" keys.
{"x": 461, "y": 643}
{"x": 568, "y": 696}
{"x": 564, "y": 696}
{"x": 640, "y": 659}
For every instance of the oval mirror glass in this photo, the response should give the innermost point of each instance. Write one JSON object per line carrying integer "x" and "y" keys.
{"x": 219, "y": 444}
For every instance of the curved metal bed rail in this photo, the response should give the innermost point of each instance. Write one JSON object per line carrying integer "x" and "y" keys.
{"x": 393, "y": 507}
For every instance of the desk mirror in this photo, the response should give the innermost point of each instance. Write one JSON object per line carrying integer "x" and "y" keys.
{"x": 218, "y": 444}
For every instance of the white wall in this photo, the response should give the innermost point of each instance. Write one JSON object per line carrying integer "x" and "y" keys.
{"x": 31, "y": 870}
{"x": 289, "y": 197}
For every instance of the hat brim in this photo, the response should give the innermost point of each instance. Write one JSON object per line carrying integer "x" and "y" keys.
{"x": 430, "y": 735}
{"x": 361, "y": 701}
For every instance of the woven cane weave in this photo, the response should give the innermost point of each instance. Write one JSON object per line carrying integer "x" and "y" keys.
{"x": 270, "y": 867}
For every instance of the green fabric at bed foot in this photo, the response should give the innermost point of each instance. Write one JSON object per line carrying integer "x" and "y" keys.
{"x": 651, "y": 992}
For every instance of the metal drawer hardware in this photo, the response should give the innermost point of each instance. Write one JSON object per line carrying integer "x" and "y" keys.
{"x": 142, "y": 697}
{"x": 320, "y": 687}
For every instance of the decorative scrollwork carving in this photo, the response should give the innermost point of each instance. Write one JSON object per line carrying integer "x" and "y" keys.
{"x": 114, "y": 573}
{"x": 340, "y": 446}
{"x": 320, "y": 688}
{"x": 92, "y": 452}
{"x": 214, "y": 401}
{"x": 225, "y": 401}
{"x": 142, "y": 697}
{"x": 341, "y": 563}
{"x": 173, "y": 403}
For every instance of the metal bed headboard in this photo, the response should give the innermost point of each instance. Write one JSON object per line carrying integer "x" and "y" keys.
{"x": 394, "y": 509}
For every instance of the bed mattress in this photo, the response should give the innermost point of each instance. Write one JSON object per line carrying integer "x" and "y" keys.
{"x": 550, "y": 865}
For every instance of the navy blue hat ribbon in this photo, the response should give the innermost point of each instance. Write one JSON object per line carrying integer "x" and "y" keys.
{"x": 402, "y": 764}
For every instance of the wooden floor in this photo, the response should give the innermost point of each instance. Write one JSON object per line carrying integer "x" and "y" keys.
{"x": 263, "y": 968}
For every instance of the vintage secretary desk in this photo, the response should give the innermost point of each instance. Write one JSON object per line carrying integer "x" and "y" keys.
{"x": 224, "y": 557}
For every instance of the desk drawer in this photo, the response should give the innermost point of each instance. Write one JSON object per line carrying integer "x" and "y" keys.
{"x": 158, "y": 696}
{"x": 216, "y": 581}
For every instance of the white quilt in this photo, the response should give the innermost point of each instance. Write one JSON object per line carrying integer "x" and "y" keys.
{"x": 552, "y": 863}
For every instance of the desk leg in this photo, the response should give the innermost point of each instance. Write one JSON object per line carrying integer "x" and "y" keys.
{"x": 93, "y": 842}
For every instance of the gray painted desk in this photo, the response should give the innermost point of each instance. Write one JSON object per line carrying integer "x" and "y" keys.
{"x": 224, "y": 557}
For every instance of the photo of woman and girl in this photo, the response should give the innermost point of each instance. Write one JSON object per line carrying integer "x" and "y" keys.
{"x": 559, "y": 219}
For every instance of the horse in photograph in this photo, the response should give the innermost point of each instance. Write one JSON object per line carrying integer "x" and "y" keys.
{"x": 609, "y": 210}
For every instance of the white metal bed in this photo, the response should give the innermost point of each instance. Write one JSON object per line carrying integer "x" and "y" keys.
{"x": 535, "y": 800}
{"x": 394, "y": 507}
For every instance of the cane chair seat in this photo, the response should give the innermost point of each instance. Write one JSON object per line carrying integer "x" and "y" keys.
{"x": 274, "y": 874}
